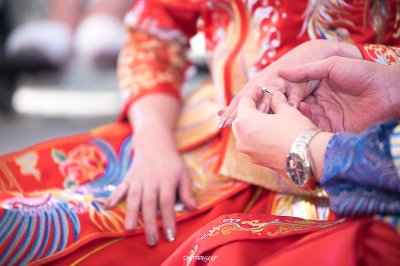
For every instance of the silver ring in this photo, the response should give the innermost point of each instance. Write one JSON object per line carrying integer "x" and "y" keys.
{"x": 266, "y": 90}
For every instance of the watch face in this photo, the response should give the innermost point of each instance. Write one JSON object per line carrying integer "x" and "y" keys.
{"x": 296, "y": 170}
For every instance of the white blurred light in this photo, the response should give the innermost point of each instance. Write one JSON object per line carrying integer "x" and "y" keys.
{"x": 66, "y": 103}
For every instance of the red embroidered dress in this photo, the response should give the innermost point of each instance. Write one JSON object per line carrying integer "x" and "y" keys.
{"x": 50, "y": 193}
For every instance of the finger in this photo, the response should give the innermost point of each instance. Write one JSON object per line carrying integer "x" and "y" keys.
{"x": 222, "y": 111}
{"x": 231, "y": 118}
{"x": 316, "y": 109}
{"x": 132, "y": 206}
{"x": 149, "y": 209}
{"x": 313, "y": 111}
{"x": 263, "y": 107}
{"x": 117, "y": 195}
{"x": 316, "y": 114}
{"x": 167, "y": 202}
{"x": 323, "y": 123}
{"x": 279, "y": 102}
{"x": 310, "y": 99}
{"x": 255, "y": 94}
{"x": 265, "y": 104}
{"x": 318, "y": 70}
{"x": 297, "y": 94}
{"x": 186, "y": 192}
{"x": 245, "y": 105}
{"x": 276, "y": 84}
{"x": 304, "y": 108}
{"x": 229, "y": 111}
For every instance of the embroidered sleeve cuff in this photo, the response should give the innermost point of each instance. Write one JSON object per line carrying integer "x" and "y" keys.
{"x": 150, "y": 65}
{"x": 387, "y": 55}
{"x": 359, "y": 175}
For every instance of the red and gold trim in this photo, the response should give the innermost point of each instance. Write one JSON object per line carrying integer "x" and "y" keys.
{"x": 388, "y": 55}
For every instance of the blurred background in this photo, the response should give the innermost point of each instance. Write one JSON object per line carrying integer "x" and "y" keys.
{"x": 58, "y": 68}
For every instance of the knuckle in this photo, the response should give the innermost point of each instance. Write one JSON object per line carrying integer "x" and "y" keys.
{"x": 149, "y": 200}
{"x": 166, "y": 203}
{"x": 131, "y": 212}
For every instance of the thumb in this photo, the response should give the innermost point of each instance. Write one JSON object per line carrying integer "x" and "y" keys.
{"x": 312, "y": 71}
{"x": 279, "y": 102}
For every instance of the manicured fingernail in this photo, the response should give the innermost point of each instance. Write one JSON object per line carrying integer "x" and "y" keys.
{"x": 152, "y": 239}
{"x": 170, "y": 235}
{"x": 221, "y": 122}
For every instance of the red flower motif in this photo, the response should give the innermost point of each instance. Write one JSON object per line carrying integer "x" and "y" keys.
{"x": 83, "y": 164}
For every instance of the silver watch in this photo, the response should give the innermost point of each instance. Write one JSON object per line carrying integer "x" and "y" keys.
{"x": 298, "y": 163}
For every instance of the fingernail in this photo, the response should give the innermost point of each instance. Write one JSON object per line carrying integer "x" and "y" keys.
{"x": 152, "y": 239}
{"x": 221, "y": 122}
{"x": 170, "y": 235}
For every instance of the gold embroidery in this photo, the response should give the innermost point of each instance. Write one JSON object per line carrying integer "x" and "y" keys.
{"x": 9, "y": 177}
{"x": 257, "y": 227}
{"x": 110, "y": 221}
{"x": 78, "y": 261}
{"x": 189, "y": 258}
{"x": 388, "y": 55}
{"x": 147, "y": 62}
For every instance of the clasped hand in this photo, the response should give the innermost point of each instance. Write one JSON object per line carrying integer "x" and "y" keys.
{"x": 334, "y": 94}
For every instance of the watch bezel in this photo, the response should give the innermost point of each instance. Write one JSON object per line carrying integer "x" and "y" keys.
{"x": 305, "y": 168}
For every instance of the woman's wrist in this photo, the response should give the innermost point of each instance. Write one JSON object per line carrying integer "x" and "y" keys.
{"x": 317, "y": 149}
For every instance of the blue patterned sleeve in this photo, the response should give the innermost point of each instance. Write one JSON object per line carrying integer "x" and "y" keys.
{"x": 359, "y": 172}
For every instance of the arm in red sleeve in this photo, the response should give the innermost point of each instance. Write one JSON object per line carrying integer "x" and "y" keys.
{"x": 153, "y": 58}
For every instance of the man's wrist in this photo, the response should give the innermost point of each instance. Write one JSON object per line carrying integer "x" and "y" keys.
{"x": 317, "y": 149}
{"x": 392, "y": 85}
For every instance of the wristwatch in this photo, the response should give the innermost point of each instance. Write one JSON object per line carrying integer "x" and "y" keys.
{"x": 298, "y": 163}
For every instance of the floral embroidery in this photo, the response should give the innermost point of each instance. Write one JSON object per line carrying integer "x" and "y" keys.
{"x": 50, "y": 222}
{"x": 81, "y": 165}
{"x": 28, "y": 163}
